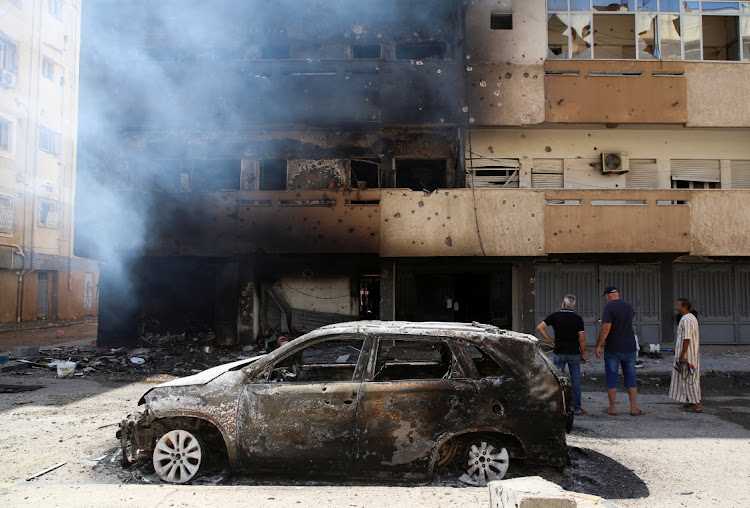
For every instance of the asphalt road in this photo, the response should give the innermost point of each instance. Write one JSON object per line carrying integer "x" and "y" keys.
{"x": 665, "y": 458}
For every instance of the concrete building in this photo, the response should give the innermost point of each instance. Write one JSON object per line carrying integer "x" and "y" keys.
{"x": 258, "y": 169}
{"x": 40, "y": 277}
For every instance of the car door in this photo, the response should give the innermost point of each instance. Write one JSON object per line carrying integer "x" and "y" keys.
{"x": 301, "y": 418}
{"x": 414, "y": 394}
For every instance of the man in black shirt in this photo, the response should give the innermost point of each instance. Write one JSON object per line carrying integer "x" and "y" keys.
{"x": 570, "y": 344}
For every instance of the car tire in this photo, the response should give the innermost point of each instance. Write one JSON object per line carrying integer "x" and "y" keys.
{"x": 179, "y": 456}
{"x": 482, "y": 460}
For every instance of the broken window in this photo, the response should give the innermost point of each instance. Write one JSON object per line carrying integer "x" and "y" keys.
{"x": 486, "y": 366}
{"x": 420, "y": 174}
{"x": 501, "y": 21}
{"x": 614, "y": 37}
{"x": 695, "y": 174}
{"x": 366, "y": 51}
{"x": 329, "y": 360}
{"x": 404, "y": 359}
{"x": 215, "y": 175}
{"x": 7, "y": 215}
{"x": 49, "y": 213}
{"x": 490, "y": 173}
{"x": 272, "y": 175}
{"x": 420, "y": 50}
{"x": 365, "y": 173}
{"x": 659, "y": 29}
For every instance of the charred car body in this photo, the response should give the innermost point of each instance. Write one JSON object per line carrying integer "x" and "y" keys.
{"x": 366, "y": 399}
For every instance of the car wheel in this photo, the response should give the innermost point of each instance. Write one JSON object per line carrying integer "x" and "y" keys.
{"x": 483, "y": 460}
{"x": 178, "y": 456}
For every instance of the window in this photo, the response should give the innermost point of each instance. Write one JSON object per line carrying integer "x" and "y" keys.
{"x": 695, "y": 174}
{"x": 49, "y": 141}
{"x": 55, "y": 8}
{"x": 366, "y": 51}
{"x": 7, "y": 215}
{"x": 547, "y": 174}
{"x": 420, "y": 174}
{"x": 365, "y": 173}
{"x": 501, "y": 21}
{"x": 48, "y": 69}
{"x": 648, "y": 29}
{"x": 6, "y": 135}
{"x": 272, "y": 175}
{"x": 276, "y": 52}
{"x": 420, "y": 50}
{"x": 403, "y": 359}
{"x": 215, "y": 175}
{"x": 8, "y": 63}
{"x": 492, "y": 173}
{"x": 485, "y": 364}
{"x": 49, "y": 214}
{"x": 326, "y": 361}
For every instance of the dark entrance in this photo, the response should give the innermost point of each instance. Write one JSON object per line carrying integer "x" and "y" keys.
{"x": 450, "y": 293}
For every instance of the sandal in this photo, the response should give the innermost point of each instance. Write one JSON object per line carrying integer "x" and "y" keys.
{"x": 606, "y": 411}
{"x": 639, "y": 413}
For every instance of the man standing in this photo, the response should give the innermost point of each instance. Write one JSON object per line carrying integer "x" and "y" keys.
{"x": 570, "y": 344}
{"x": 620, "y": 349}
{"x": 686, "y": 382}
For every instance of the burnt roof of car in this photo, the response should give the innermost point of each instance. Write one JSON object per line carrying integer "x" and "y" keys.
{"x": 435, "y": 328}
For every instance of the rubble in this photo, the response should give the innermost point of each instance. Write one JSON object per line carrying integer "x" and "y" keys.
{"x": 177, "y": 354}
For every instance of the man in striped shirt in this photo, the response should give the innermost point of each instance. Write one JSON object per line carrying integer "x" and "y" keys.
{"x": 686, "y": 382}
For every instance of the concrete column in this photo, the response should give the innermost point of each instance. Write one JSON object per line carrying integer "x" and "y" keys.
{"x": 525, "y": 294}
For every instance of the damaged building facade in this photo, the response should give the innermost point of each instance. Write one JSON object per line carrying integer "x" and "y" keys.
{"x": 257, "y": 170}
{"x": 40, "y": 277}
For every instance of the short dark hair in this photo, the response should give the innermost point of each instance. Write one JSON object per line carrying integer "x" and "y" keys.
{"x": 685, "y": 303}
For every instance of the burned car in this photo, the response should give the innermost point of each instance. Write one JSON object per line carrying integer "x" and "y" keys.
{"x": 368, "y": 399}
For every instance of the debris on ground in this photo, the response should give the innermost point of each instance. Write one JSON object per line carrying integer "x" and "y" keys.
{"x": 40, "y": 473}
{"x": 177, "y": 354}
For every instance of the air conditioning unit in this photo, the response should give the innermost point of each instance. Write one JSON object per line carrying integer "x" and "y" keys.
{"x": 8, "y": 79}
{"x": 614, "y": 163}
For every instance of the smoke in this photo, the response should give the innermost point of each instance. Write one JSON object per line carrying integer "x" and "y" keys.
{"x": 164, "y": 85}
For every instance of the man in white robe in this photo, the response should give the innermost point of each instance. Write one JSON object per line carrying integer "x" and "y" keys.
{"x": 686, "y": 383}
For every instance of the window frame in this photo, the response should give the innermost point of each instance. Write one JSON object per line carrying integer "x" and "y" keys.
{"x": 683, "y": 12}
{"x": 7, "y": 130}
{"x": 7, "y": 198}
{"x": 48, "y": 68}
{"x": 53, "y": 146}
{"x": 42, "y": 217}
{"x": 458, "y": 367}
{"x": 55, "y": 8}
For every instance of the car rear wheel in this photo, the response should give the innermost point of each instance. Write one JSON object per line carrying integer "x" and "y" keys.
{"x": 483, "y": 460}
{"x": 178, "y": 456}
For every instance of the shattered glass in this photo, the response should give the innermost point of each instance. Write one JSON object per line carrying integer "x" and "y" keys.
{"x": 746, "y": 38}
{"x": 614, "y": 5}
{"x": 580, "y": 35}
{"x": 557, "y": 35}
{"x": 669, "y": 37}
{"x": 648, "y": 48}
{"x": 691, "y": 29}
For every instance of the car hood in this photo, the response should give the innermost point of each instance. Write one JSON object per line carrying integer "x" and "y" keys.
{"x": 203, "y": 377}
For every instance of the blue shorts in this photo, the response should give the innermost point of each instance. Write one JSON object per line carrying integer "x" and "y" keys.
{"x": 612, "y": 362}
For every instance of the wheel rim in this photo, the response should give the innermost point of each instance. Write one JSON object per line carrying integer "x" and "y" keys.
{"x": 486, "y": 462}
{"x": 177, "y": 456}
